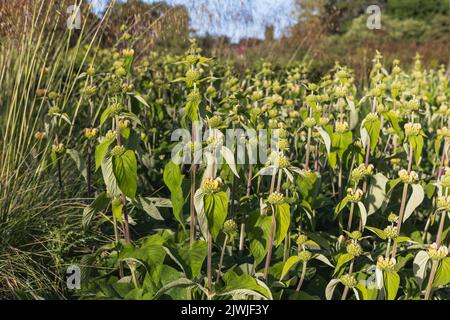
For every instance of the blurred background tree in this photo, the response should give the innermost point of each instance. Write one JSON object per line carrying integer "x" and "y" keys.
{"x": 326, "y": 31}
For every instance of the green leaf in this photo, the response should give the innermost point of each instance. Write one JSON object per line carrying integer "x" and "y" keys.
{"x": 79, "y": 163}
{"x": 289, "y": 264}
{"x": 106, "y": 114}
{"x": 373, "y": 129}
{"x": 363, "y": 213}
{"x": 420, "y": 266}
{"x": 244, "y": 285}
{"x": 340, "y": 142}
{"x": 401, "y": 239}
{"x": 125, "y": 171}
{"x": 417, "y": 146}
{"x": 414, "y": 201}
{"x": 192, "y": 109}
{"x": 109, "y": 178}
{"x": 229, "y": 158}
{"x": 117, "y": 207}
{"x": 259, "y": 234}
{"x": 376, "y": 194}
{"x": 324, "y": 259}
{"x": 179, "y": 283}
{"x": 100, "y": 152}
{"x": 329, "y": 290}
{"x": 149, "y": 207}
{"x": 394, "y": 122}
{"x": 282, "y": 221}
{"x": 442, "y": 277}
{"x": 380, "y": 233}
{"x": 141, "y": 99}
{"x": 361, "y": 292}
{"x": 216, "y": 210}
{"x": 391, "y": 283}
{"x": 343, "y": 259}
{"x": 100, "y": 203}
{"x": 340, "y": 206}
{"x": 197, "y": 255}
{"x": 173, "y": 179}
{"x": 326, "y": 138}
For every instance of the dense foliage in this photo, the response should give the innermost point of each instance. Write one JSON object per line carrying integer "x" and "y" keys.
{"x": 351, "y": 204}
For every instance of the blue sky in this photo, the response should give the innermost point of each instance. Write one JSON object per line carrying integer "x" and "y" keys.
{"x": 234, "y": 18}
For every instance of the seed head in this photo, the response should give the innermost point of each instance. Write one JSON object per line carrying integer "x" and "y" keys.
{"x": 408, "y": 178}
{"x": 349, "y": 280}
{"x": 276, "y": 198}
{"x": 301, "y": 239}
{"x": 412, "y": 129}
{"x": 117, "y": 151}
{"x": 386, "y": 263}
{"x": 191, "y": 76}
{"x": 215, "y": 121}
{"x": 354, "y": 248}
{"x": 341, "y": 127}
{"x": 392, "y": 217}
{"x": 210, "y": 185}
{"x": 128, "y": 53}
{"x": 436, "y": 253}
{"x": 58, "y": 148}
{"x": 53, "y": 110}
{"x": 391, "y": 232}
{"x": 354, "y": 196}
{"x": 230, "y": 228}
{"x": 40, "y": 135}
{"x": 90, "y": 133}
{"x": 445, "y": 179}
{"x": 372, "y": 117}
{"x": 310, "y": 122}
{"x": 305, "y": 256}
{"x": 355, "y": 235}
{"x": 283, "y": 144}
{"x": 211, "y": 91}
{"x": 323, "y": 121}
{"x": 89, "y": 91}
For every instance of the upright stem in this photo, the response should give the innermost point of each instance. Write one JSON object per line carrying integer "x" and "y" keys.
{"x": 222, "y": 253}
{"x": 88, "y": 169}
{"x": 192, "y": 206}
{"x": 435, "y": 262}
{"x": 248, "y": 193}
{"x": 193, "y": 176}
{"x": 269, "y": 251}
{"x": 400, "y": 218}
{"x": 302, "y": 277}
{"x": 61, "y": 186}
{"x": 209, "y": 262}
{"x": 308, "y": 149}
{"x": 350, "y": 217}
{"x": 431, "y": 279}
{"x": 350, "y": 271}
{"x": 126, "y": 229}
{"x": 287, "y": 244}
{"x": 340, "y": 180}
{"x": 233, "y": 191}
{"x": 272, "y": 225}
{"x": 116, "y": 238}
{"x": 404, "y": 196}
